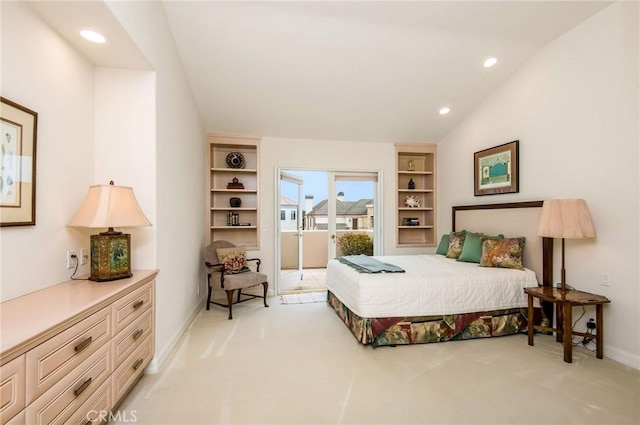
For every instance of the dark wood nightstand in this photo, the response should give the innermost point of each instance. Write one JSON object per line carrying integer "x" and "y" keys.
{"x": 564, "y": 303}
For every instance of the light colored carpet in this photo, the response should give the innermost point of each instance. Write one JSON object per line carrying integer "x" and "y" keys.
{"x": 301, "y": 365}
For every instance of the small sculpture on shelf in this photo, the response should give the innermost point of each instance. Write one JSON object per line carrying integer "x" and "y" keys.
{"x": 411, "y": 185}
{"x": 411, "y": 166}
{"x": 235, "y": 184}
{"x": 412, "y": 202}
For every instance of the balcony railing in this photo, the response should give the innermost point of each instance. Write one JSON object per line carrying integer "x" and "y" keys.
{"x": 314, "y": 248}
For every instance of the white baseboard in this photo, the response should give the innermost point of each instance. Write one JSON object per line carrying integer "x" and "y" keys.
{"x": 160, "y": 357}
{"x": 623, "y": 357}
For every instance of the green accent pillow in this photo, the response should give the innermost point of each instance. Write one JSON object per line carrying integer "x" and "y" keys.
{"x": 443, "y": 246}
{"x": 472, "y": 248}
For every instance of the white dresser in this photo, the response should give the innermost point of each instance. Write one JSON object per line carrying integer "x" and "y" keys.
{"x": 69, "y": 353}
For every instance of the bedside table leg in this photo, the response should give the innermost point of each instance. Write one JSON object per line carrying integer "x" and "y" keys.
{"x": 567, "y": 331}
{"x": 530, "y": 318}
{"x": 559, "y": 321}
{"x": 599, "y": 331}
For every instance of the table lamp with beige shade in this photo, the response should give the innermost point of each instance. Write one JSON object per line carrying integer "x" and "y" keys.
{"x": 565, "y": 219}
{"x": 109, "y": 206}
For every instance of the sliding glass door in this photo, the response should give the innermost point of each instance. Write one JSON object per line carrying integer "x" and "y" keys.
{"x": 353, "y": 213}
{"x": 317, "y": 210}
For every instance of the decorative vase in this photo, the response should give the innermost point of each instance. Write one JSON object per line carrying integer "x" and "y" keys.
{"x": 411, "y": 184}
{"x": 235, "y": 202}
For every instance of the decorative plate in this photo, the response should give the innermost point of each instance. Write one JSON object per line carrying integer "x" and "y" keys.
{"x": 235, "y": 160}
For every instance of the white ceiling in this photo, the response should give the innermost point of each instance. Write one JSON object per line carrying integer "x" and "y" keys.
{"x": 374, "y": 71}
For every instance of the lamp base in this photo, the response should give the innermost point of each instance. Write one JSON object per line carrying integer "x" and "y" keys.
{"x": 110, "y": 256}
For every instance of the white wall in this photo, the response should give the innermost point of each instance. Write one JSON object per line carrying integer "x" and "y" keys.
{"x": 574, "y": 108}
{"x": 43, "y": 73}
{"x": 125, "y": 147}
{"x": 179, "y": 179}
{"x": 139, "y": 128}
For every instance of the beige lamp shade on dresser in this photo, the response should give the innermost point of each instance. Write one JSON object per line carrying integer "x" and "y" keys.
{"x": 109, "y": 206}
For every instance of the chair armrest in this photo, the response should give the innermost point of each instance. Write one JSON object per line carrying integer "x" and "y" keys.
{"x": 208, "y": 264}
{"x": 258, "y": 262}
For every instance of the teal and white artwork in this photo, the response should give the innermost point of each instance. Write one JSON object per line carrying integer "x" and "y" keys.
{"x": 495, "y": 170}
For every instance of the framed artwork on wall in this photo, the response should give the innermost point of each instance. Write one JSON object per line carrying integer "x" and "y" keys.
{"x": 496, "y": 170}
{"x": 19, "y": 128}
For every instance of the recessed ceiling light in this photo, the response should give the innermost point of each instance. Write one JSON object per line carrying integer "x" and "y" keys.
{"x": 93, "y": 36}
{"x": 444, "y": 111}
{"x": 490, "y": 62}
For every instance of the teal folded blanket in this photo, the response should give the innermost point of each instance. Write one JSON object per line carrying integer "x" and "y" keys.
{"x": 365, "y": 264}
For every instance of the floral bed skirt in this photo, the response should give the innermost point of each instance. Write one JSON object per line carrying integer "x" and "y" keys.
{"x": 426, "y": 329}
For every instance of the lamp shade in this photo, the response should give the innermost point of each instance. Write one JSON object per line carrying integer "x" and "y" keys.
{"x": 566, "y": 218}
{"x": 110, "y": 206}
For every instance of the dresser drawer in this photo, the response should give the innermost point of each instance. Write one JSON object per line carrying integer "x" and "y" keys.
{"x": 127, "y": 373}
{"x": 55, "y": 358}
{"x": 12, "y": 388}
{"x": 60, "y": 402}
{"x": 18, "y": 419}
{"x": 96, "y": 409}
{"x": 131, "y": 337}
{"x": 130, "y": 307}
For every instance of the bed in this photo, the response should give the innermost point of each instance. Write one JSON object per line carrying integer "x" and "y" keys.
{"x": 440, "y": 299}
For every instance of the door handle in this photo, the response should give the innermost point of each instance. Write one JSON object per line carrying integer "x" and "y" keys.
{"x": 333, "y": 238}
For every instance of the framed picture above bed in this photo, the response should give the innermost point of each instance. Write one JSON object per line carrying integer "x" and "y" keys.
{"x": 496, "y": 170}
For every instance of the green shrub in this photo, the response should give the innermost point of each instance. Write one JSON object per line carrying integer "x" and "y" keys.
{"x": 355, "y": 244}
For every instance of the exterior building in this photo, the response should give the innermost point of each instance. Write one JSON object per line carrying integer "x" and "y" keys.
{"x": 350, "y": 215}
{"x": 288, "y": 211}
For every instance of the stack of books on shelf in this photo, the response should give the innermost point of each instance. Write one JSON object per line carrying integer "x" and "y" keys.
{"x": 407, "y": 221}
{"x": 233, "y": 219}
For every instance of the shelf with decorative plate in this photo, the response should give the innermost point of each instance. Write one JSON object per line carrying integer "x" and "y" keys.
{"x": 233, "y": 187}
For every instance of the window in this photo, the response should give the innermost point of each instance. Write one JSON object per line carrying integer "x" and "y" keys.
{"x": 354, "y": 224}
{"x": 293, "y": 215}
{"x": 283, "y": 215}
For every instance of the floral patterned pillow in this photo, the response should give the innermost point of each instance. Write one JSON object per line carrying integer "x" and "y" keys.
{"x": 234, "y": 259}
{"x": 456, "y": 241}
{"x": 505, "y": 253}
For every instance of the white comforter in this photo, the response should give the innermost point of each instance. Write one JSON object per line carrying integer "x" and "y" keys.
{"x": 431, "y": 285}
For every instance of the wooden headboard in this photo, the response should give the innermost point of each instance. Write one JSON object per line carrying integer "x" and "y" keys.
{"x": 512, "y": 220}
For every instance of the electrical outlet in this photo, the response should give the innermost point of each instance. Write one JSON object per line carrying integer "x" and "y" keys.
{"x": 604, "y": 279}
{"x": 71, "y": 262}
{"x": 84, "y": 256}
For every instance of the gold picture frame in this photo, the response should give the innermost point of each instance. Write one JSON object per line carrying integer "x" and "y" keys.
{"x": 496, "y": 170}
{"x": 19, "y": 128}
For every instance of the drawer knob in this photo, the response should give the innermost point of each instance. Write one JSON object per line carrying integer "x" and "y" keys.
{"x": 137, "y": 334}
{"x": 137, "y": 364}
{"x": 82, "y": 387}
{"x": 137, "y": 304}
{"x": 84, "y": 344}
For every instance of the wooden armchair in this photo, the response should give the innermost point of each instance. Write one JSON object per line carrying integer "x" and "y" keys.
{"x": 230, "y": 271}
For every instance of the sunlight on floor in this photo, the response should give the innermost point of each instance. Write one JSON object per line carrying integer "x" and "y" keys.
{"x": 312, "y": 280}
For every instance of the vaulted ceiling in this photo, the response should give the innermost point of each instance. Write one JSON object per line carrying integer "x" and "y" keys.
{"x": 374, "y": 71}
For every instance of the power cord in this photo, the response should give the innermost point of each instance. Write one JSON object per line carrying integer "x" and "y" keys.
{"x": 75, "y": 258}
{"x": 574, "y": 325}
{"x": 591, "y": 325}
